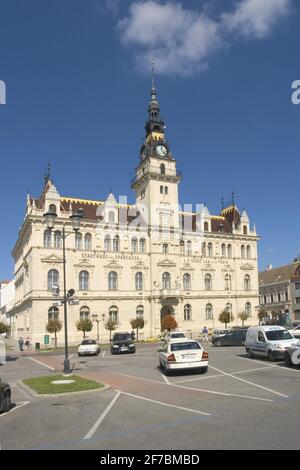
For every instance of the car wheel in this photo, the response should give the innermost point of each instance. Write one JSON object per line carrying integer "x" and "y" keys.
{"x": 271, "y": 356}
{"x": 288, "y": 360}
{"x": 203, "y": 370}
{"x": 219, "y": 344}
{"x": 249, "y": 352}
{"x": 6, "y": 402}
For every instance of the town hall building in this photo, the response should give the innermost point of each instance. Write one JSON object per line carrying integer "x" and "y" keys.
{"x": 146, "y": 259}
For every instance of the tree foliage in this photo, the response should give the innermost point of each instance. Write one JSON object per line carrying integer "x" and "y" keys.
{"x": 137, "y": 324}
{"x": 261, "y": 315}
{"x": 243, "y": 316}
{"x": 226, "y": 317}
{"x": 169, "y": 323}
{"x": 84, "y": 325}
{"x": 110, "y": 326}
{"x": 4, "y": 328}
{"x": 54, "y": 326}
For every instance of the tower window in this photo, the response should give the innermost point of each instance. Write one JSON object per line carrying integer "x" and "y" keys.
{"x": 162, "y": 169}
{"x": 161, "y": 190}
{"x": 166, "y": 190}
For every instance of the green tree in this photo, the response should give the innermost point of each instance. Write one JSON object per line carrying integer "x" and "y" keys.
{"x": 244, "y": 317}
{"x": 54, "y": 326}
{"x": 110, "y": 326}
{"x": 226, "y": 317}
{"x": 169, "y": 323}
{"x": 4, "y": 328}
{"x": 261, "y": 315}
{"x": 137, "y": 324}
{"x": 84, "y": 325}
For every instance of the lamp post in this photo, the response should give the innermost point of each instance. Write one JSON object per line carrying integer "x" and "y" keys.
{"x": 96, "y": 319}
{"x": 50, "y": 219}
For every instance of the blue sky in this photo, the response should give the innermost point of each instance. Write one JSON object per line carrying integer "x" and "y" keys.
{"x": 78, "y": 83}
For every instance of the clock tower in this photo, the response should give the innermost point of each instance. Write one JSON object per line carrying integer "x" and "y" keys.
{"x": 156, "y": 179}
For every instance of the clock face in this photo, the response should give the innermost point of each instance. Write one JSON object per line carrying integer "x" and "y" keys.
{"x": 161, "y": 150}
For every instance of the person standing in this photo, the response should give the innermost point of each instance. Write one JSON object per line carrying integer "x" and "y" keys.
{"x": 205, "y": 334}
{"x": 21, "y": 343}
{"x": 27, "y": 343}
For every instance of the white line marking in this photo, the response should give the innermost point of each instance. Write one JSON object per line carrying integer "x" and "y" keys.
{"x": 167, "y": 404}
{"x": 194, "y": 389}
{"x": 165, "y": 379}
{"x": 246, "y": 371}
{"x": 103, "y": 353}
{"x": 251, "y": 383}
{"x": 94, "y": 428}
{"x": 41, "y": 363}
{"x": 18, "y": 405}
{"x": 254, "y": 360}
{"x": 71, "y": 356}
{"x": 196, "y": 379}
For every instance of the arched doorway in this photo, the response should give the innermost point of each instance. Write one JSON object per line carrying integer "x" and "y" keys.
{"x": 166, "y": 310}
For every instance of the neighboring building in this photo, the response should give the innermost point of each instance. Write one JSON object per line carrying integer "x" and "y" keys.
{"x": 147, "y": 259}
{"x": 279, "y": 291}
{"x": 7, "y": 300}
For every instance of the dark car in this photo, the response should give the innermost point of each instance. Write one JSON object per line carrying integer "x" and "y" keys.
{"x": 122, "y": 343}
{"x": 235, "y": 337}
{"x": 5, "y": 397}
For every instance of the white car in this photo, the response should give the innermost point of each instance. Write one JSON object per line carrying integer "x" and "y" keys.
{"x": 173, "y": 335}
{"x": 182, "y": 354}
{"x": 295, "y": 332}
{"x": 292, "y": 356}
{"x": 268, "y": 341}
{"x": 89, "y": 347}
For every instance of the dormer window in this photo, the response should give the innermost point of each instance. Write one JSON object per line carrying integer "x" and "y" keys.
{"x": 245, "y": 230}
{"x": 52, "y": 208}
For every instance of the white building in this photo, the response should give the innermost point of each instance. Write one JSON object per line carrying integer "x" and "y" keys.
{"x": 150, "y": 258}
{"x": 7, "y": 300}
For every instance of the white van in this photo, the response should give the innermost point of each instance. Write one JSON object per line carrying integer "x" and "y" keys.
{"x": 268, "y": 341}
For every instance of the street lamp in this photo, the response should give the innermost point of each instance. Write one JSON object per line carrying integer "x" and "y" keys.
{"x": 50, "y": 219}
{"x": 95, "y": 319}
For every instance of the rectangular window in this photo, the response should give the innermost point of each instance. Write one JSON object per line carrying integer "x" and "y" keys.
{"x": 279, "y": 297}
{"x": 286, "y": 296}
{"x": 265, "y": 299}
{"x": 297, "y": 285}
{"x": 297, "y": 300}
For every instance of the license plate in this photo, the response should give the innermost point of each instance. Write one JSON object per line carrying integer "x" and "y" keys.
{"x": 124, "y": 348}
{"x": 188, "y": 356}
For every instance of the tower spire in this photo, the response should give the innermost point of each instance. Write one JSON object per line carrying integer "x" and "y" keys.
{"x": 47, "y": 176}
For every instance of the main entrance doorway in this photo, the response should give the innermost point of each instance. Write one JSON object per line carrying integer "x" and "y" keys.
{"x": 166, "y": 310}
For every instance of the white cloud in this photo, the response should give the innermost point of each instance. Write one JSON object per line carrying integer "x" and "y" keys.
{"x": 184, "y": 40}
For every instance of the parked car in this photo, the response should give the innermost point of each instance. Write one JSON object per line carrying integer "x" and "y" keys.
{"x": 235, "y": 337}
{"x": 292, "y": 356}
{"x": 5, "y": 397}
{"x": 122, "y": 343}
{"x": 295, "y": 331}
{"x": 89, "y": 347}
{"x": 173, "y": 335}
{"x": 182, "y": 354}
{"x": 217, "y": 333}
{"x": 269, "y": 341}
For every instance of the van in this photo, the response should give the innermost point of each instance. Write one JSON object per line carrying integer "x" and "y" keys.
{"x": 268, "y": 341}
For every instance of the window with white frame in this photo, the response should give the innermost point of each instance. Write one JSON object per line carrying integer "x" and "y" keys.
{"x": 227, "y": 282}
{"x": 107, "y": 243}
{"x": 84, "y": 313}
{"x": 247, "y": 283}
{"x": 166, "y": 281}
{"x": 53, "y": 313}
{"x": 57, "y": 239}
{"x": 208, "y": 282}
{"x": 139, "y": 281}
{"x": 114, "y": 314}
{"x": 78, "y": 241}
{"x": 186, "y": 281}
{"x": 209, "y": 312}
{"x": 88, "y": 241}
{"x": 84, "y": 280}
{"x": 134, "y": 245}
{"x": 116, "y": 243}
{"x": 47, "y": 238}
{"x": 140, "y": 311}
{"x": 112, "y": 281}
{"x": 53, "y": 279}
{"x": 187, "y": 311}
{"x": 142, "y": 245}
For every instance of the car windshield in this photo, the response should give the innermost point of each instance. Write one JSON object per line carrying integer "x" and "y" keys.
{"x": 184, "y": 346}
{"x": 177, "y": 335}
{"x": 122, "y": 338}
{"x": 86, "y": 342}
{"x": 278, "y": 335}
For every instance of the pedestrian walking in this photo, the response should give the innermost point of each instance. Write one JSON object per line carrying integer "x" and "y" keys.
{"x": 21, "y": 343}
{"x": 132, "y": 334}
{"x": 205, "y": 334}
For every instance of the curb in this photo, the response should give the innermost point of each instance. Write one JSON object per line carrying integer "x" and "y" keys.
{"x": 33, "y": 394}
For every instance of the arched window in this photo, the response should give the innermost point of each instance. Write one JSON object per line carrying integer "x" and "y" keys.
{"x": 111, "y": 217}
{"x": 248, "y": 251}
{"x": 142, "y": 245}
{"x": 134, "y": 245}
{"x": 161, "y": 190}
{"x": 47, "y": 238}
{"x": 247, "y": 283}
{"x": 210, "y": 249}
{"x": 116, "y": 243}
{"x": 88, "y": 241}
{"x": 139, "y": 281}
{"x": 229, "y": 251}
{"x": 166, "y": 281}
{"x": 203, "y": 249}
{"x": 140, "y": 311}
{"x": 209, "y": 312}
{"x": 187, "y": 312}
{"x": 78, "y": 241}
{"x": 114, "y": 314}
{"x": 248, "y": 309}
{"x": 181, "y": 247}
{"x": 53, "y": 279}
{"x": 112, "y": 281}
{"x": 242, "y": 251}
{"x": 223, "y": 248}
{"x": 229, "y": 308}
{"x": 84, "y": 280}
{"x": 208, "y": 282}
{"x": 206, "y": 227}
{"x": 227, "y": 282}
{"x": 245, "y": 230}
{"x": 162, "y": 169}
{"x": 53, "y": 313}
{"x": 52, "y": 208}
{"x": 107, "y": 243}
{"x": 84, "y": 313}
{"x": 165, "y": 248}
{"x": 57, "y": 239}
{"x": 189, "y": 248}
{"x": 187, "y": 281}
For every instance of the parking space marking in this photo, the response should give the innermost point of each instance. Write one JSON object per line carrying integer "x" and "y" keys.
{"x": 41, "y": 363}
{"x": 165, "y": 378}
{"x": 167, "y": 404}
{"x": 197, "y": 378}
{"x": 230, "y": 395}
{"x": 103, "y": 354}
{"x": 251, "y": 383}
{"x": 101, "y": 418}
{"x": 18, "y": 405}
{"x": 71, "y": 356}
{"x": 254, "y": 360}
